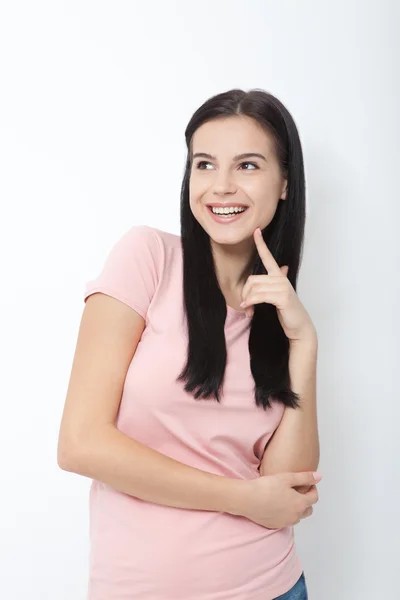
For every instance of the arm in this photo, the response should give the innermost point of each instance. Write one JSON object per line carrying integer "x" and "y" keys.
{"x": 295, "y": 445}
{"x": 89, "y": 443}
{"x": 133, "y": 468}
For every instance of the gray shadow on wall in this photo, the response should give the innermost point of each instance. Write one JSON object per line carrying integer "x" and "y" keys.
{"x": 327, "y": 541}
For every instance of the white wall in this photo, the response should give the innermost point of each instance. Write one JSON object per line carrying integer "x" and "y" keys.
{"x": 95, "y": 98}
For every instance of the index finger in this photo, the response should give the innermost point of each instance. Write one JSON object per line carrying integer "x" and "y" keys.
{"x": 266, "y": 256}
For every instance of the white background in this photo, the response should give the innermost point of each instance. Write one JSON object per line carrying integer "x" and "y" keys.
{"x": 94, "y": 101}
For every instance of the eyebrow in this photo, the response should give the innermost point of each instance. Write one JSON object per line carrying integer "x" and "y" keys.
{"x": 235, "y": 158}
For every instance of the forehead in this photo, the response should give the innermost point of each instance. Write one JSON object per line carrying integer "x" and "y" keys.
{"x": 231, "y": 135}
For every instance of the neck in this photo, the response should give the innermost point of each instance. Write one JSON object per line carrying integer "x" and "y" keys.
{"x": 233, "y": 264}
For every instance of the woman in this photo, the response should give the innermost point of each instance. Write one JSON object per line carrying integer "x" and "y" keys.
{"x": 177, "y": 388}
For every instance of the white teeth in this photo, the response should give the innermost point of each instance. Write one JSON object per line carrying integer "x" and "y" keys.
{"x": 228, "y": 210}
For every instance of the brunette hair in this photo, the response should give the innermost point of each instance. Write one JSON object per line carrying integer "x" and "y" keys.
{"x": 204, "y": 303}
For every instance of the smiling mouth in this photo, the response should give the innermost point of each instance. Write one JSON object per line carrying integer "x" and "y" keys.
{"x": 227, "y": 217}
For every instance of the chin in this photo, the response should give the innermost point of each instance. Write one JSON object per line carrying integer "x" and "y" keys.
{"x": 229, "y": 238}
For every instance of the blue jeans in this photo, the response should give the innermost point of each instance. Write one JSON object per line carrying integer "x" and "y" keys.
{"x": 297, "y": 592}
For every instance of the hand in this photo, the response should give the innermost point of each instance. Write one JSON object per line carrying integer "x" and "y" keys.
{"x": 275, "y": 288}
{"x": 303, "y": 489}
{"x": 272, "y": 501}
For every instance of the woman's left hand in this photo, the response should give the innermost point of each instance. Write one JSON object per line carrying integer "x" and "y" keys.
{"x": 275, "y": 288}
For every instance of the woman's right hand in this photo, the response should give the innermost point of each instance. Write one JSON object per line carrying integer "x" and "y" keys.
{"x": 271, "y": 501}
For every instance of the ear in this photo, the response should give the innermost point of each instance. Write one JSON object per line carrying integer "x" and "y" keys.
{"x": 283, "y": 194}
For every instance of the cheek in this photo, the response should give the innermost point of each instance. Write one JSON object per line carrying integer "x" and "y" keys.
{"x": 266, "y": 212}
{"x": 194, "y": 203}
{"x": 196, "y": 187}
{"x": 196, "y": 195}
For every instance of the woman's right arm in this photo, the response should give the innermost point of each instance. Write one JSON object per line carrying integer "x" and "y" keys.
{"x": 89, "y": 442}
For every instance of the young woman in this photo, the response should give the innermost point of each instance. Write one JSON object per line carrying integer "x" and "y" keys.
{"x": 195, "y": 415}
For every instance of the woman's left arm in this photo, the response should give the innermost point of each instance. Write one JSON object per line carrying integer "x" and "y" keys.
{"x": 294, "y": 446}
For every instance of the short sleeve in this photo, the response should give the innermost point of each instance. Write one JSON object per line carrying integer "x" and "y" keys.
{"x": 131, "y": 270}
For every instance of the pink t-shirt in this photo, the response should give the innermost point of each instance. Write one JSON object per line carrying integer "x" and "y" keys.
{"x": 145, "y": 551}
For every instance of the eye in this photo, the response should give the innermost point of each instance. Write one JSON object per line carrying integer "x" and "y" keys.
{"x": 249, "y": 163}
{"x": 202, "y": 162}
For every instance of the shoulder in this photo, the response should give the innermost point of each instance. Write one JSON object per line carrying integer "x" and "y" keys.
{"x": 160, "y": 243}
{"x": 135, "y": 266}
{"x": 164, "y": 238}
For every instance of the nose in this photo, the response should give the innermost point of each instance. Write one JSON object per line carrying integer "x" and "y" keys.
{"x": 223, "y": 184}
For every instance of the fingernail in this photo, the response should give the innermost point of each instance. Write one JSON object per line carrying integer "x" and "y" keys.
{"x": 242, "y": 304}
{"x": 317, "y": 475}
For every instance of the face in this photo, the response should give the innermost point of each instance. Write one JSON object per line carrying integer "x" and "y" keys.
{"x": 253, "y": 182}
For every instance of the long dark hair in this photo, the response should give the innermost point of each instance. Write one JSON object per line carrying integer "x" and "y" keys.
{"x": 205, "y": 304}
